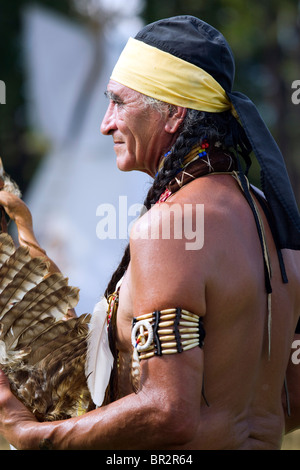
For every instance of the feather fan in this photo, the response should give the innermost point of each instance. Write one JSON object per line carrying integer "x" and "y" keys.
{"x": 55, "y": 367}
{"x": 43, "y": 355}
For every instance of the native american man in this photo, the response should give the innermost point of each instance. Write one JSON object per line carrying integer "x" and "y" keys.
{"x": 205, "y": 333}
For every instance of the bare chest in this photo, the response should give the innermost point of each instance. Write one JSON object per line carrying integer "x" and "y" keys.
{"x": 125, "y": 315}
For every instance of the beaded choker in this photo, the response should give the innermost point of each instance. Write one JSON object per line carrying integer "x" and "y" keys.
{"x": 200, "y": 161}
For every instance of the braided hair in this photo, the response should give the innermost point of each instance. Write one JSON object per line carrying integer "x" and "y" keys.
{"x": 197, "y": 126}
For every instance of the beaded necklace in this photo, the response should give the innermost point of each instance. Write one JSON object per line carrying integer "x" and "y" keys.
{"x": 200, "y": 161}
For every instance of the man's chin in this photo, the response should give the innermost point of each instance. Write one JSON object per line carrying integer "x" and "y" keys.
{"x": 124, "y": 165}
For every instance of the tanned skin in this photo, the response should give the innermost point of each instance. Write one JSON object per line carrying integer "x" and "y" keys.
{"x": 223, "y": 282}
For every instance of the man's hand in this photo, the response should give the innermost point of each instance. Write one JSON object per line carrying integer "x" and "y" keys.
{"x": 17, "y": 211}
{"x": 14, "y": 416}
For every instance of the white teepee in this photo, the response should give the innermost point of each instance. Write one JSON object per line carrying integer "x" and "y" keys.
{"x": 68, "y": 68}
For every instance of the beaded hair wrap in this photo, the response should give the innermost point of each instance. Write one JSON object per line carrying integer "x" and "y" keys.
{"x": 202, "y": 160}
{"x": 163, "y": 332}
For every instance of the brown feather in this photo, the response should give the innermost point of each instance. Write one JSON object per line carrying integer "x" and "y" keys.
{"x": 27, "y": 277}
{"x": 65, "y": 341}
{"x": 26, "y": 306}
{"x": 43, "y": 356}
{"x": 31, "y": 332}
{"x": 7, "y": 248}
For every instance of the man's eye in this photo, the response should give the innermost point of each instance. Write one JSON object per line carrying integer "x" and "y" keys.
{"x": 113, "y": 98}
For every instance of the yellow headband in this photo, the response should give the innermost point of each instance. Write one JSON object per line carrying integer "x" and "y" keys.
{"x": 161, "y": 75}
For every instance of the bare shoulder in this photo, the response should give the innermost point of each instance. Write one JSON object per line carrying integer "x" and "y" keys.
{"x": 175, "y": 247}
{"x": 164, "y": 252}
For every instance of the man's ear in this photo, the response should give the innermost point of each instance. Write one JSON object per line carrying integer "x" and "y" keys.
{"x": 175, "y": 119}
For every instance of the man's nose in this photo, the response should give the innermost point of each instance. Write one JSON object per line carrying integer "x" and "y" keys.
{"x": 108, "y": 123}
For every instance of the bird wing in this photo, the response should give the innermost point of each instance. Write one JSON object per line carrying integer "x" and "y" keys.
{"x": 55, "y": 367}
{"x": 43, "y": 355}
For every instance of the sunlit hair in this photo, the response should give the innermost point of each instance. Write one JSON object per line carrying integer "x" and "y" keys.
{"x": 157, "y": 105}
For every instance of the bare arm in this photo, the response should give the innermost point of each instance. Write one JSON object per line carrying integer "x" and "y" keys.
{"x": 164, "y": 414}
{"x": 155, "y": 418}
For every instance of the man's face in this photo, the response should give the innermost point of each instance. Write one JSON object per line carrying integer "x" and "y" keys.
{"x": 139, "y": 132}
